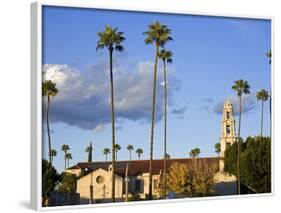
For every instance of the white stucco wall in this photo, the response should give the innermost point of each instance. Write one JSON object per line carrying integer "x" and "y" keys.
{"x": 100, "y": 190}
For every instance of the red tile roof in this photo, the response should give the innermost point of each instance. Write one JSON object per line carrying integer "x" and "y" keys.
{"x": 137, "y": 167}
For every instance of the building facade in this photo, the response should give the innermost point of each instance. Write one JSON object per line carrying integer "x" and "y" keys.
{"x": 97, "y": 175}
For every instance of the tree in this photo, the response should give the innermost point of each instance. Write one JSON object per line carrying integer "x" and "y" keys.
{"x": 269, "y": 54}
{"x": 240, "y": 87}
{"x": 50, "y": 179}
{"x": 255, "y": 162}
{"x": 194, "y": 179}
{"x": 68, "y": 183}
{"x": 139, "y": 151}
{"x": 179, "y": 179}
{"x": 49, "y": 90}
{"x": 111, "y": 39}
{"x": 89, "y": 150}
{"x": 166, "y": 57}
{"x": 68, "y": 157}
{"x": 218, "y": 148}
{"x": 167, "y": 156}
{"x": 106, "y": 151}
{"x": 65, "y": 148}
{"x": 159, "y": 35}
{"x": 130, "y": 148}
{"x": 117, "y": 148}
{"x": 53, "y": 154}
{"x": 262, "y": 96}
{"x": 194, "y": 152}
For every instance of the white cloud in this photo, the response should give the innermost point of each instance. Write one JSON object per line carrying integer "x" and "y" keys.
{"x": 84, "y": 96}
{"x": 99, "y": 128}
{"x": 248, "y": 104}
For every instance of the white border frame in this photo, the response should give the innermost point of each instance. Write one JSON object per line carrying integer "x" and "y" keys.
{"x": 36, "y": 99}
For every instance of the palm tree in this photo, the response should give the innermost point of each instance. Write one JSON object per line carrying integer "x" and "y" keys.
{"x": 65, "y": 148}
{"x": 117, "y": 147}
{"x": 53, "y": 154}
{"x": 49, "y": 90}
{"x": 68, "y": 156}
{"x": 130, "y": 148}
{"x": 106, "y": 151}
{"x": 218, "y": 148}
{"x": 167, "y": 156}
{"x": 89, "y": 150}
{"x": 263, "y": 96}
{"x": 166, "y": 56}
{"x": 194, "y": 152}
{"x": 240, "y": 87}
{"x": 139, "y": 151}
{"x": 159, "y": 35}
{"x": 269, "y": 54}
{"x": 111, "y": 39}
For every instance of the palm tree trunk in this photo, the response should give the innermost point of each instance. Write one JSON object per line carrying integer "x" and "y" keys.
{"x": 106, "y": 157}
{"x": 138, "y": 156}
{"x": 165, "y": 126}
{"x": 113, "y": 126}
{"x": 270, "y": 111}
{"x": 238, "y": 146}
{"x": 152, "y": 124}
{"x": 68, "y": 163}
{"x": 261, "y": 117}
{"x": 130, "y": 155}
{"x": 48, "y": 130}
{"x": 64, "y": 160}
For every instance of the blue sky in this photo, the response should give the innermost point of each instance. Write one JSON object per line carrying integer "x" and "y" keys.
{"x": 209, "y": 54}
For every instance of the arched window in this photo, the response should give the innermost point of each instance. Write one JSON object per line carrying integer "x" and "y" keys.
{"x": 227, "y": 129}
{"x": 227, "y": 115}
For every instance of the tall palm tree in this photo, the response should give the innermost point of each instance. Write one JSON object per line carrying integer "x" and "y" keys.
{"x": 111, "y": 39}
{"x": 166, "y": 57}
{"x": 269, "y": 54}
{"x": 130, "y": 148}
{"x": 194, "y": 152}
{"x": 65, "y": 148}
{"x": 68, "y": 156}
{"x": 117, "y": 147}
{"x": 106, "y": 151}
{"x": 240, "y": 87}
{"x": 89, "y": 150}
{"x": 49, "y": 90}
{"x": 53, "y": 154}
{"x": 262, "y": 96}
{"x": 139, "y": 151}
{"x": 218, "y": 148}
{"x": 159, "y": 35}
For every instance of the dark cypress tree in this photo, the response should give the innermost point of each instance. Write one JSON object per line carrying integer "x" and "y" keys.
{"x": 90, "y": 154}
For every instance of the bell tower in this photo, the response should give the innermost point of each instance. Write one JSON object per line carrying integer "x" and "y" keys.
{"x": 228, "y": 135}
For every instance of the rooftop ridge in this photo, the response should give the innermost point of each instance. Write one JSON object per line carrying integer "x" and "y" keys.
{"x": 134, "y": 161}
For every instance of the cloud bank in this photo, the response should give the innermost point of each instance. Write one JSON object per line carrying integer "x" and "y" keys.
{"x": 84, "y": 96}
{"x": 248, "y": 104}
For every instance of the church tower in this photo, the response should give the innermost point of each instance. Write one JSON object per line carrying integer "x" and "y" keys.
{"x": 228, "y": 135}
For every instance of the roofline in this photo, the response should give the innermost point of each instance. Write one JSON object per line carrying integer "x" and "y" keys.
{"x": 148, "y": 160}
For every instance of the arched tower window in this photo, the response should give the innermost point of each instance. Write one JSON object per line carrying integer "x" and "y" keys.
{"x": 227, "y": 129}
{"x": 227, "y": 115}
